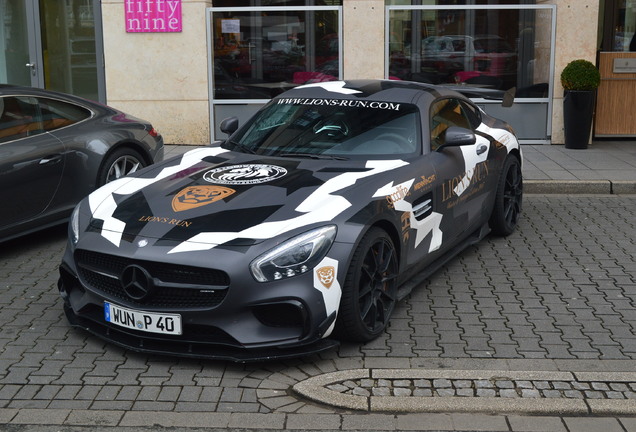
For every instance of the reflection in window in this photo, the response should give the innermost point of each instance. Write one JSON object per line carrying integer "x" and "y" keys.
{"x": 618, "y": 26}
{"x": 489, "y": 48}
{"x": 330, "y": 128}
{"x": 444, "y": 114}
{"x": 57, "y": 114}
{"x": 19, "y": 118}
{"x": 69, "y": 46}
{"x": 22, "y": 116}
{"x": 259, "y": 54}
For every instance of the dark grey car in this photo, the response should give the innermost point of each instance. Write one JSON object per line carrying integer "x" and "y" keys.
{"x": 56, "y": 148}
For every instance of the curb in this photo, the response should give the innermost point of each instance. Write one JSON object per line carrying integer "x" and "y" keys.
{"x": 458, "y": 391}
{"x": 580, "y": 187}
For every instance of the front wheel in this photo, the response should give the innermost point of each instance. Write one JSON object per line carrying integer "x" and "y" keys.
{"x": 507, "y": 208}
{"x": 370, "y": 290}
{"x": 119, "y": 164}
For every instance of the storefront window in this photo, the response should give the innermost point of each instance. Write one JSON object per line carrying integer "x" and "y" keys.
{"x": 259, "y": 54}
{"x": 618, "y": 25}
{"x": 69, "y": 47}
{"x": 270, "y": 3}
{"x": 486, "y": 47}
{"x": 456, "y": 2}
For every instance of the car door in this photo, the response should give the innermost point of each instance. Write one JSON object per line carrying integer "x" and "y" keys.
{"x": 31, "y": 161}
{"x": 461, "y": 172}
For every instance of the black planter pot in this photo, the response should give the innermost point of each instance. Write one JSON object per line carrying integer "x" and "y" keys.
{"x": 578, "y": 108}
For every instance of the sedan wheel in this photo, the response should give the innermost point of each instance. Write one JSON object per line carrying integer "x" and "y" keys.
{"x": 507, "y": 208}
{"x": 119, "y": 164}
{"x": 370, "y": 290}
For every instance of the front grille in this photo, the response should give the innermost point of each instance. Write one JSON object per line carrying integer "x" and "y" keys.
{"x": 177, "y": 286}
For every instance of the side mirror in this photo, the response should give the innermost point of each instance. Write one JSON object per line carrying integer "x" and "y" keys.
{"x": 229, "y": 125}
{"x": 457, "y": 136}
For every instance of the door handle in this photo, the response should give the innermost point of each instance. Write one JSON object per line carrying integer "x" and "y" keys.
{"x": 482, "y": 148}
{"x": 32, "y": 66}
{"x": 50, "y": 159}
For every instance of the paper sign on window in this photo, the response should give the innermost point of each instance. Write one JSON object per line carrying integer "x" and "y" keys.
{"x": 231, "y": 26}
{"x": 153, "y": 16}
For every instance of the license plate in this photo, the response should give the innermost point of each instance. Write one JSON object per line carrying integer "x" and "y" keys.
{"x": 144, "y": 321}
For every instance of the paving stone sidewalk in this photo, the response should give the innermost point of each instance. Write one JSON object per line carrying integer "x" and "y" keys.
{"x": 558, "y": 295}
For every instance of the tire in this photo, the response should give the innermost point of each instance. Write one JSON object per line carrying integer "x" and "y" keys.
{"x": 370, "y": 290}
{"x": 118, "y": 164}
{"x": 507, "y": 208}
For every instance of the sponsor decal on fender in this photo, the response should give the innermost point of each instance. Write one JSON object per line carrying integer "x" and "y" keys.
{"x": 425, "y": 181}
{"x": 503, "y": 141}
{"x": 406, "y": 226}
{"x": 326, "y": 275}
{"x": 197, "y": 196}
{"x": 244, "y": 174}
{"x": 398, "y": 195}
{"x": 326, "y": 281}
{"x": 465, "y": 196}
{"x": 476, "y": 175}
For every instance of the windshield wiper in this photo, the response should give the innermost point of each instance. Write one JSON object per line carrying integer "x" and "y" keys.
{"x": 242, "y": 147}
{"x": 313, "y": 156}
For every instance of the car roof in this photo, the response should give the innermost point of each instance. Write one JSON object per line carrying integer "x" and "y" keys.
{"x": 385, "y": 90}
{"x": 13, "y": 89}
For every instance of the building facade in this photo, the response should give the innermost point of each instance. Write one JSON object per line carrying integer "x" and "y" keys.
{"x": 186, "y": 64}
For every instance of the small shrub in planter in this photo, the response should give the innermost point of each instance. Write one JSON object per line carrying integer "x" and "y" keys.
{"x": 580, "y": 79}
{"x": 580, "y": 75}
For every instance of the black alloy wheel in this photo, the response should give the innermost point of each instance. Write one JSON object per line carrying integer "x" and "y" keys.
{"x": 507, "y": 208}
{"x": 370, "y": 290}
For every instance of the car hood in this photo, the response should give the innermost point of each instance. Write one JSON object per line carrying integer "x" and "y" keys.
{"x": 211, "y": 196}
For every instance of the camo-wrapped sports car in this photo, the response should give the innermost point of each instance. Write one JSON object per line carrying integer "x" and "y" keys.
{"x": 305, "y": 226}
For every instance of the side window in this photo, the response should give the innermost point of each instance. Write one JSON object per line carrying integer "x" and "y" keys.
{"x": 19, "y": 118}
{"x": 57, "y": 114}
{"x": 473, "y": 114}
{"x": 446, "y": 113}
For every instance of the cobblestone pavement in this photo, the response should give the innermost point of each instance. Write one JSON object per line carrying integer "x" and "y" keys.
{"x": 555, "y": 300}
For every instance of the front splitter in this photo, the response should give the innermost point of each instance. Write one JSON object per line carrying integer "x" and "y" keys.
{"x": 196, "y": 350}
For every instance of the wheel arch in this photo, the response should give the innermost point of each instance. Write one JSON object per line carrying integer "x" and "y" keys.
{"x": 126, "y": 144}
{"x": 392, "y": 231}
{"x": 517, "y": 153}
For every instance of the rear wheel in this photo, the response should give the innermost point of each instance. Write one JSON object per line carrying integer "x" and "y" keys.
{"x": 119, "y": 164}
{"x": 370, "y": 290}
{"x": 507, "y": 208}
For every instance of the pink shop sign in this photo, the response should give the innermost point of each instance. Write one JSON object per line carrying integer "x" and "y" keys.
{"x": 153, "y": 16}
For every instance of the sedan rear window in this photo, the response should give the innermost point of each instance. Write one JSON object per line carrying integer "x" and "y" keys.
{"x": 24, "y": 116}
{"x": 57, "y": 114}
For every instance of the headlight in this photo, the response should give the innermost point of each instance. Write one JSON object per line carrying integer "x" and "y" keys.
{"x": 295, "y": 256}
{"x": 74, "y": 225}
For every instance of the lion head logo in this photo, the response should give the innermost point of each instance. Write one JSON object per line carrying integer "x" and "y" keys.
{"x": 197, "y": 196}
{"x": 245, "y": 174}
{"x": 326, "y": 275}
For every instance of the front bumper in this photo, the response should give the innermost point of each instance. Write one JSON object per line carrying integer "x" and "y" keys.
{"x": 243, "y": 321}
{"x": 145, "y": 344}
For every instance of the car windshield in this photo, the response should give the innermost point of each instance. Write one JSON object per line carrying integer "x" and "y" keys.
{"x": 331, "y": 128}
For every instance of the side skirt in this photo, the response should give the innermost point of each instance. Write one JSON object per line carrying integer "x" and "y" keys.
{"x": 407, "y": 286}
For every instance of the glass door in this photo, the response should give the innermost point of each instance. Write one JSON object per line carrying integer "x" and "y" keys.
{"x": 53, "y": 44}
{"x": 18, "y": 36}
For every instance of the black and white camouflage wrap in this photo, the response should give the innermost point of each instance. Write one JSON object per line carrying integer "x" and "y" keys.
{"x": 212, "y": 207}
